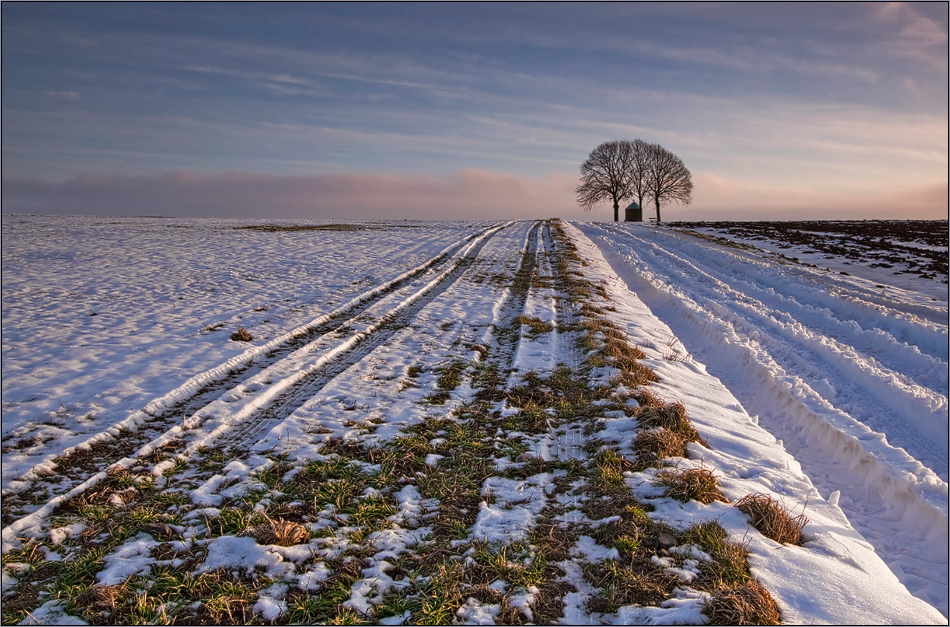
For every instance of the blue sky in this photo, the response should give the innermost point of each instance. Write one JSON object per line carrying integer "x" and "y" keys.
{"x": 425, "y": 110}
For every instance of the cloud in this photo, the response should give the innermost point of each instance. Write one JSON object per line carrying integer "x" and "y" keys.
{"x": 724, "y": 199}
{"x": 467, "y": 195}
{"x": 63, "y": 95}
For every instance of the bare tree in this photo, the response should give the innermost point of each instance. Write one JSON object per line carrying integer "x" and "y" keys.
{"x": 667, "y": 179}
{"x": 639, "y": 168}
{"x": 605, "y": 176}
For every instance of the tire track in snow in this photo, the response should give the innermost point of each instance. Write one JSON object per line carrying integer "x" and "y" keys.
{"x": 837, "y": 371}
{"x": 289, "y": 387}
{"x": 241, "y": 443}
{"x": 353, "y": 350}
{"x": 201, "y": 389}
{"x": 899, "y": 505}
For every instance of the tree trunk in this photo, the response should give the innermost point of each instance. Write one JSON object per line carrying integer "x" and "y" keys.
{"x": 656, "y": 202}
{"x": 616, "y": 211}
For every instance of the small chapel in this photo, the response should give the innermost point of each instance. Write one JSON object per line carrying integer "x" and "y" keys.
{"x": 633, "y": 213}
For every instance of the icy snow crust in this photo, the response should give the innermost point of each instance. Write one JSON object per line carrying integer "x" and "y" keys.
{"x": 364, "y": 380}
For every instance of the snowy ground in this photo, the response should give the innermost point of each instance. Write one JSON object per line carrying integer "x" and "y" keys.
{"x": 421, "y": 399}
{"x": 907, "y": 254}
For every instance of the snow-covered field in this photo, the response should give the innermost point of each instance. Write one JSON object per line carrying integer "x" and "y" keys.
{"x": 428, "y": 403}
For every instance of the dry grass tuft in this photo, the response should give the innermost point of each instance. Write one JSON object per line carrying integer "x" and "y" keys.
{"x": 648, "y": 399}
{"x": 634, "y": 375}
{"x": 241, "y": 335}
{"x": 280, "y": 532}
{"x": 624, "y": 355}
{"x": 671, "y": 416}
{"x": 652, "y": 447}
{"x": 749, "y": 604}
{"x": 100, "y": 598}
{"x": 697, "y": 484}
{"x": 772, "y": 519}
{"x": 608, "y": 471}
{"x": 118, "y": 471}
{"x": 536, "y": 326}
{"x": 639, "y": 582}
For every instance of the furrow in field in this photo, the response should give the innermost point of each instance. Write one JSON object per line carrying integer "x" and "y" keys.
{"x": 333, "y": 407}
{"x": 546, "y": 343}
{"x": 159, "y": 414}
{"x": 162, "y": 413}
{"x": 911, "y": 349}
{"x": 285, "y": 376}
{"x": 373, "y": 332}
{"x": 828, "y": 412}
{"x": 839, "y": 371}
{"x": 539, "y": 342}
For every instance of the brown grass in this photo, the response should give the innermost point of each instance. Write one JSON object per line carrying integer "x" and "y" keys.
{"x": 241, "y": 335}
{"x": 280, "y": 532}
{"x": 697, "y": 484}
{"x": 749, "y": 604}
{"x": 647, "y": 399}
{"x": 652, "y": 447}
{"x": 671, "y": 416}
{"x": 99, "y": 598}
{"x": 634, "y": 376}
{"x": 622, "y": 354}
{"x": 772, "y": 519}
{"x": 536, "y": 326}
{"x": 638, "y": 582}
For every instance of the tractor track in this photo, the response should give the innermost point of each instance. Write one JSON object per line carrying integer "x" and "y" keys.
{"x": 238, "y": 442}
{"x": 722, "y": 318}
{"x": 164, "y": 423}
{"x": 242, "y": 438}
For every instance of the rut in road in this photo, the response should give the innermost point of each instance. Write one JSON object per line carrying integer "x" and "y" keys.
{"x": 236, "y": 440}
{"x": 384, "y": 329}
{"x": 357, "y": 339}
{"x": 844, "y": 366}
{"x": 896, "y": 503}
{"x": 120, "y": 440}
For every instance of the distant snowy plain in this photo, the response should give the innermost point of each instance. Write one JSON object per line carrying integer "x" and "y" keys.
{"x": 826, "y": 389}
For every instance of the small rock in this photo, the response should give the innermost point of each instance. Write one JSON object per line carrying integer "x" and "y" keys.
{"x": 666, "y": 539}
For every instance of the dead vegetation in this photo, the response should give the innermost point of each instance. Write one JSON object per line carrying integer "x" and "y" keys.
{"x": 772, "y": 518}
{"x": 652, "y": 447}
{"x": 748, "y": 604}
{"x": 355, "y": 483}
{"x": 100, "y": 598}
{"x": 241, "y": 335}
{"x": 536, "y": 326}
{"x": 695, "y": 484}
{"x": 671, "y": 416}
{"x": 280, "y": 532}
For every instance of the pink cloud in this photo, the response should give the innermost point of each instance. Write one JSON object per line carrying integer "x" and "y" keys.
{"x": 470, "y": 194}
{"x": 466, "y": 195}
{"x": 717, "y": 198}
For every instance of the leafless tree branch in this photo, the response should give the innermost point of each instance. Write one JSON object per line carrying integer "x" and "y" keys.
{"x": 618, "y": 170}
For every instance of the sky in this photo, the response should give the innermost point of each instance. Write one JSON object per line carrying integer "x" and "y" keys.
{"x": 470, "y": 111}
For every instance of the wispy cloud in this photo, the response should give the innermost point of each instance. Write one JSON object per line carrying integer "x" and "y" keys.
{"x": 63, "y": 95}
{"x": 809, "y": 97}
